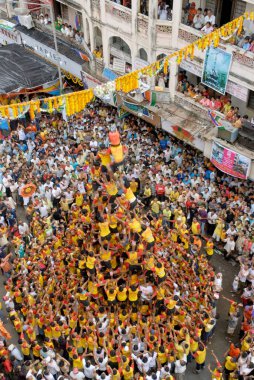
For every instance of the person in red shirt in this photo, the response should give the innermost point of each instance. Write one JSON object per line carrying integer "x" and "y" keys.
{"x": 160, "y": 191}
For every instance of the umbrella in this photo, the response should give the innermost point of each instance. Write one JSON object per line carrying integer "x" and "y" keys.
{"x": 28, "y": 190}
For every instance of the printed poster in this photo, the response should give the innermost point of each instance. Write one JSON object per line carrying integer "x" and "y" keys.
{"x": 216, "y": 69}
{"x": 230, "y": 162}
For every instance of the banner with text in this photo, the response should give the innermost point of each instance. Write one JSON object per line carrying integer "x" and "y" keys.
{"x": 230, "y": 162}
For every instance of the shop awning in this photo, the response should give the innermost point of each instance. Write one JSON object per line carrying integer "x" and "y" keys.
{"x": 68, "y": 50}
{"x": 21, "y": 69}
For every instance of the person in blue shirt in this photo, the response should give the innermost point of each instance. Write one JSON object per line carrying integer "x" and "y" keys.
{"x": 246, "y": 43}
{"x": 186, "y": 180}
{"x": 22, "y": 146}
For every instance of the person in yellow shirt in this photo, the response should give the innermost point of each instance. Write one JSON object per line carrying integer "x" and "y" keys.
{"x": 133, "y": 294}
{"x": 147, "y": 195}
{"x": 230, "y": 365}
{"x": 155, "y": 207}
{"x": 134, "y": 186}
{"x": 195, "y": 227}
{"x": 104, "y": 229}
{"x": 200, "y": 357}
{"x": 148, "y": 237}
{"x": 90, "y": 262}
{"x": 128, "y": 372}
{"x": 209, "y": 248}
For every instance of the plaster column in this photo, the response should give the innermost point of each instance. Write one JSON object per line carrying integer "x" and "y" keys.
{"x": 173, "y": 78}
{"x": 153, "y": 15}
{"x": 134, "y": 19}
{"x": 106, "y": 48}
{"x": 176, "y": 20}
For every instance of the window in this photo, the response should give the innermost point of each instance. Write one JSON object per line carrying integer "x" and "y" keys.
{"x": 65, "y": 13}
{"x": 251, "y": 100}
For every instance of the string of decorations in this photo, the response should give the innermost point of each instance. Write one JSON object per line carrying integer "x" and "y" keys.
{"x": 76, "y": 101}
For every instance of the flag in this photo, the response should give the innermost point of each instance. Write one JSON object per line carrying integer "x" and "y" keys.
{"x": 216, "y": 119}
{"x": 77, "y": 23}
{"x": 82, "y": 55}
{"x": 52, "y": 88}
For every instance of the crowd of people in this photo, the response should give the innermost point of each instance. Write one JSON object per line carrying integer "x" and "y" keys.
{"x": 108, "y": 275}
{"x": 221, "y": 103}
{"x": 240, "y": 356}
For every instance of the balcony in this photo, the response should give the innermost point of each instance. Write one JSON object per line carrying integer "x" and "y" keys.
{"x": 163, "y": 33}
{"x": 242, "y": 61}
{"x": 61, "y": 36}
{"x": 119, "y": 16}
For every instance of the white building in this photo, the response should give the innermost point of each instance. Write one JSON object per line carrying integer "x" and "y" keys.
{"x": 132, "y": 33}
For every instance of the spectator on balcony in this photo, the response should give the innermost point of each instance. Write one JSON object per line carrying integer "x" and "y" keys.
{"x": 65, "y": 29}
{"x": 41, "y": 18}
{"x": 127, "y": 3}
{"x": 198, "y": 20}
{"x": 238, "y": 122}
{"x": 47, "y": 19}
{"x": 163, "y": 11}
{"x": 208, "y": 28}
{"x": 251, "y": 48}
{"x": 246, "y": 43}
{"x": 191, "y": 14}
{"x": 78, "y": 38}
{"x": 210, "y": 17}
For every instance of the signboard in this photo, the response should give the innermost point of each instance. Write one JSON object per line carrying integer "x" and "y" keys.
{"x": 50, "y": 55}
{"x": 9, "y": 37}
{"x": 216, "y": 69}
{"x": 230, "y": 162}
{"x": 119, "y": 65}
{"x": 7, "y": 25}
{"x": 232, "y": 88}
{"x": 238, "y": 91}
{"x": 89, "y": 81}
{"x": 139, "y": 63}
{"x": 109, "y": 74}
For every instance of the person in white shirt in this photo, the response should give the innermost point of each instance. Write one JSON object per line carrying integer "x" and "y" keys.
{"x": 76, "y": 374}
{"x": 207, "y": 28}
{"x": 229, "y": 247}
{"x": 56, "y": 193}
{"x": 180, "y": 369}
{"x": 23, "y": 229}
{"x": 163, "y": 12}
{"x": 89, "y": 369}
{"x": 210, "y": 17}
{"x": 198, "y": 20}
{"x": 179, "y": 159}
{"x": 102, "y": 363}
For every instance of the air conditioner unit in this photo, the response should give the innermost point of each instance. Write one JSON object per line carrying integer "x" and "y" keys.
{"x": 26, "y": 20}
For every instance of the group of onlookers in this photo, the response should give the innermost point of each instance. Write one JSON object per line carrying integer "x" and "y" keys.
{"x": 223, "y": 104}
{"x": 66, "y": 29}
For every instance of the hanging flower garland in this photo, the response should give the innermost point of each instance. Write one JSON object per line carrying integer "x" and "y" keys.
{"x": 77, "y": 101}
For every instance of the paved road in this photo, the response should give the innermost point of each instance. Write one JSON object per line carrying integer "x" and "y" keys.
{"x": 219, "y": 342}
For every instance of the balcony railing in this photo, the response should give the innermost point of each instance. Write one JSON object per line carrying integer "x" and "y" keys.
{"x": 142, "y": 24}
{"x": 164, "y": 26}
{"x": 118, "y": 11}
{"x": 189, "y": 34}
{"x": 246, "y": 58}
{"x": 193, "y": 106}
{"x": 61, "y": 36}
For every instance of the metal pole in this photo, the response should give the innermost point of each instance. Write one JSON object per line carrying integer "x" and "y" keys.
{"x": 52, "y": 17}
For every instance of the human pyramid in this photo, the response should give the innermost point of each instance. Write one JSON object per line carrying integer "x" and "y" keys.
{"x": 113, "y": 290}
